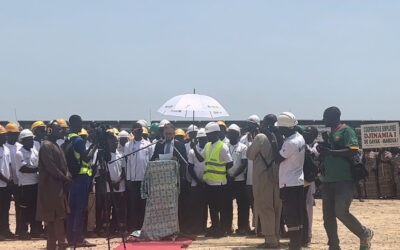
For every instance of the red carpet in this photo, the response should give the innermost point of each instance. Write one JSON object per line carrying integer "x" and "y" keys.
{"x": 178, "y": 244}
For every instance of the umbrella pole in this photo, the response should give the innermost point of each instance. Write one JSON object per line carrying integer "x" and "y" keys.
{"x": 194, "y": 92}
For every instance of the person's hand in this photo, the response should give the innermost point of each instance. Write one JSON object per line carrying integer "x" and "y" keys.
{"x": 249, "y": 137}
{"x": 10, "y": 182}
{"x": 230, "y": 178}
{"x": 324, "y": 151}
{"x": 116, "y": 185}
{"x": 192, "y": 144}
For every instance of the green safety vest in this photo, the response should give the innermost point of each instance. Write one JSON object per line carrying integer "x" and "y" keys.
{"x": 215, "y": 169}
{"x": 85, "y": 167}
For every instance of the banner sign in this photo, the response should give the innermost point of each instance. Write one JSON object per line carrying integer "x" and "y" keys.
{"x": 384, "y": 135}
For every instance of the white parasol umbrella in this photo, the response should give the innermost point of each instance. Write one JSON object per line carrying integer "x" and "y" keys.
{"x": 191, "y": 105}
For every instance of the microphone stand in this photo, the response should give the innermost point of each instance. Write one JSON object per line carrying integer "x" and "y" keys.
{"x": 134, "y": 152}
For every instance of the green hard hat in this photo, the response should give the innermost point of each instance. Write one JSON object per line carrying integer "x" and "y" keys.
{"x": 154, "y": 127}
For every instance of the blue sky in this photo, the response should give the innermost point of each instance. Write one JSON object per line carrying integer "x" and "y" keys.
{"x": 123, "y": 59}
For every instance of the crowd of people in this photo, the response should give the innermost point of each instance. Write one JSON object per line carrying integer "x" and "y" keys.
{"x": 269, "y": 167}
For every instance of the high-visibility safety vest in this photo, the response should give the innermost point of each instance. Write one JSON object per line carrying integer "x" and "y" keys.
{"x": 215, "y": 169}
{"x": 85, "y": 167}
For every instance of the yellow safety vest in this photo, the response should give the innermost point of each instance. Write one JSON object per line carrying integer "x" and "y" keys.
{"x": 85, "y": 167}
{"x": 215, "y": 169}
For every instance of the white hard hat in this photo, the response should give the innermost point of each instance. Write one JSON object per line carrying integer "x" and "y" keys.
{"x": 201, "y": 133}
{"x": 254, "y": 119}
{"x": 192, "y": 128}
{"x": 286, "y": 119}
{"x": 123, "y": 134}
{"x": 212, "y": 127}
{"x": 163, "y": 122}
{"x": 143, "y": 123}
{"x": 234, "y": 127}
{"x": 24, "y": 134}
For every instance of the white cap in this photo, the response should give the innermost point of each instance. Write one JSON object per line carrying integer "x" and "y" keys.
{"x": 286, "y": 119}
{"x": 24, "y": 134}
{"x": 192, "y": 128}
{"x": 234, "y": 127}
{"x": 254, "y": 119}
{"x": 143, "y": 123}
{"x": 123, "y": 134}
{"x": 212, "y": 127}
{"x": 201, "y": 133}
{"x": 163, "y": 122}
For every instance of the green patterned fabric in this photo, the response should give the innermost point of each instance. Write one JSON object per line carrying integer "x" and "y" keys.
{"x": 161, "y": 189}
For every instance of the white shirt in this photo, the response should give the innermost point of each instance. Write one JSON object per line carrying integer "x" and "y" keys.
{"x": 13, "y": 151}
{"x": 60, "y": 142}
{"x": 225, "y": 140}
{"x": 188, "y": 148}
{"x": 36, "y": 145}
{"x": 249, "y": 176}
{"x": 291, "y": 169}
{"x": 198, "y": 166}
{"x": 88, "y": 144}
{"x": 27, "y": 157}
{"x": 5, "y": 164}
{"x": 223, "y": 156}
{"x": 137, "y": 163}
{"x": 115, "y": 169}
{"x": 121, "y": 149}
{"x": 238, "y": 153}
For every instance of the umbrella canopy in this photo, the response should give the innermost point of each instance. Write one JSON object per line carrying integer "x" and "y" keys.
{"x": 193, "y": 105}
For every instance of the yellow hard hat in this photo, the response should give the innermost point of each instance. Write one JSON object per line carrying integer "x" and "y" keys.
{"x": 12, "y": 127}
{"x": 222, "y": 123}
{"x": 113, "y": 130}
{"x": 132, "y": 137}
{"x": 116, "y": 131}
{"x": 62, "y": 122}
{"x": 180, "y": 132}
{"x": 37, "y": 124}
{"x": 2, "y": 130}
{"x": 145, "y": 131}
{"x": 83, "y": 132}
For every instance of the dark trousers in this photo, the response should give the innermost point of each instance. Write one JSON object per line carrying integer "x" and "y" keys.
{"x": 136, "y": 206}
{"x": 292, "y": 202}
{"x": 237, "y": 190}
{"x": 116, "y": 211}
{"x": 336, "y": 201}
{"x": 100, "y": 204}
{"x": 184, "y": 206}
{"x": 15, "y": 193}
{"x": 218, "y": 201}
{"x": 56, "y": 233}
{"x": 27, "y": 204}
{"x": 305, "y": 216}
{"x": 198, "y": 211}
{"x": 78, "y": 201}
{"x": 5, "y": 200}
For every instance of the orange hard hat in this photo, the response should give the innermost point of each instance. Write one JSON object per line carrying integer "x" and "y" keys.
{"x": 62, "y": 122}
{"x": 145, "y": 131}
{"x": 2, "y": 130}
{"x": 12, "y": 127}
{"x": 37, "y": 124}
{"x": 180, "y": 132}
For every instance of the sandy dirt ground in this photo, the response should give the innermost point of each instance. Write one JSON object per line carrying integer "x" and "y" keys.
{"x": 383, "y": 216}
